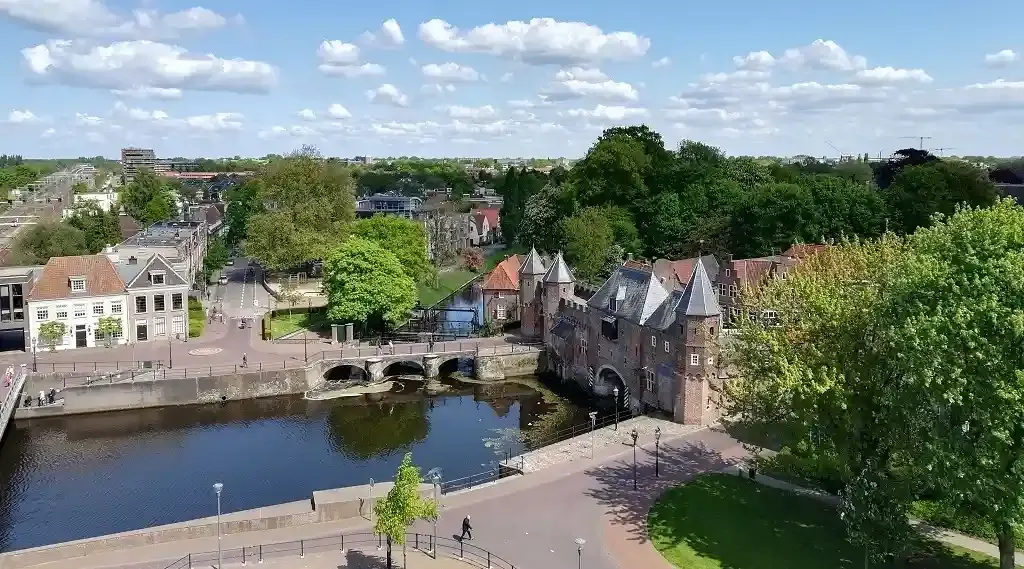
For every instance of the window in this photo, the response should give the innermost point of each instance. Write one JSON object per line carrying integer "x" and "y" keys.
{"x": 158, "y": 303}
{"x": 654, "y": 341}
{"x": 694, "y": 359}
{"x": 610, "y": 328}
{"x": 711, "y": 332}
{"x": 140, "y": 304}
{"x": 97, "y": 309}
{"x": 723, "y": 289}
{"x": 62, "y": 311}
{"x": 733, "y": 291}
{"x": 728, "y": 272}
{"x": 650, "y": 380}
{"x": 79, "y": 311}
{"x": 583, "y": 345}
{"x": 159, "y": 327}
{"x": 666, "y": 347}
{"x": 611, "y": 304}
{"x": 42, "y": 314}
{"x": 156, "y": 277}
{"x": 710, "y": 360}
{"x": 501, "y": 312}
{"x": 176, "y": 301}
{"x": 115, "y": 307}
{"x": 77, "y": 284}
{"x": 178, "y": 325}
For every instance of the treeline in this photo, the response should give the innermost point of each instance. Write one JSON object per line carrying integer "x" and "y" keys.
{"x": 629, "y": 194}
{"x": 85, "y": 232}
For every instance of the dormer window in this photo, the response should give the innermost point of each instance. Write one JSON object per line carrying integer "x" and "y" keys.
{"x": 77, "y": 284}
{"x": 156, "y": 277}
{"x": 612, "y": 305}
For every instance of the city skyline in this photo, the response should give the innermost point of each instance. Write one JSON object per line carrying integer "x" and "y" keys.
{"x": 223, "y": 79}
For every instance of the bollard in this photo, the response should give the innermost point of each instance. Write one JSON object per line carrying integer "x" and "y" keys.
{"x": 488, "y": 560}
{"x": 95, "y": 366}
{"x": 460, "y": 549}
{"x": 417, "y": 546}
{"x": 189, "y": 561}
{"x": 243, "y": 556}
{"x": 302, "y": 549}
{"x": 261, "y": 553}
{"x": 343, "y": 542}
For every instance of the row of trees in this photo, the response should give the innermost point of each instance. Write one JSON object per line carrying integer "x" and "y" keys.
{"x": 85, "y": 232}
{"x": 629, "y": 194}
{"x": 893, "y": 367}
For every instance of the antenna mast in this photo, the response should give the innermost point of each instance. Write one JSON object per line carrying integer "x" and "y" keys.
{"x": 920, "y": 140}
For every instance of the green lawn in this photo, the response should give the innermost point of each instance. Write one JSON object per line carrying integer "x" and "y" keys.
{"x": 196, "y": 318}
{"x": 284, "y": 323}
{"x": 721, "y": 521}
{"x": 447, "y": 283}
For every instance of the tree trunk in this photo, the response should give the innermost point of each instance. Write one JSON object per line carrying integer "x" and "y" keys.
{"x": 1007, "y": 547}
{"x": 389, "y": 553}
{"x": 405, "y": 560}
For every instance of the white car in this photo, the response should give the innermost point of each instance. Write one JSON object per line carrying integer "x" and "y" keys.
{"x": 231, "y": 262}
{"x": 223, "y": 279}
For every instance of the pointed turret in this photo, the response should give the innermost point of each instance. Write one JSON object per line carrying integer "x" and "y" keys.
{"x": 533, "y": 265}
{"x": 699, "y": 298}
{"x": 559, "y": 272}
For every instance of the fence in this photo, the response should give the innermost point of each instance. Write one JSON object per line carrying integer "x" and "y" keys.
{"x": 86, "y": 367}
{"x": 356, "y": 541}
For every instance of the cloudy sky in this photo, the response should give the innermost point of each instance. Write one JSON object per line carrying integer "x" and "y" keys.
{"x": 525, "y": 78}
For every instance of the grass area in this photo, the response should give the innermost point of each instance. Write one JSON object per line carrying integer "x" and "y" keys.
{"x": 447, "y": 283}
{"x": 497, "y": 256}
{"x": 943, "y": 516}
{"x": 196, "y": 318}
{"x": 721, "y": 521}
{"x": 284, "y": 323}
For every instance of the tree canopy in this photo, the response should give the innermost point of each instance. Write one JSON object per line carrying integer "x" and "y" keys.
{"x": 149, "y": 198}
{"x": 366, "y": 283}
{"x": 405, "y": 238}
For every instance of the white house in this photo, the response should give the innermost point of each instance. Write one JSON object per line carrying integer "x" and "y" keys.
{"x": 103, "y": 200}
{"x": 78, "y": 292}
{"x": 483, "y": 226}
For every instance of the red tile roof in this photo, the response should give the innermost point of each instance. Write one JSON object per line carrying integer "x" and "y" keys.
{"x": 54, "y": 281}
{"x": 752, "y": 271}
{"x": 491, "y": 214}
{"x": 803, "y": 251}
{"x": 505, "y": 276}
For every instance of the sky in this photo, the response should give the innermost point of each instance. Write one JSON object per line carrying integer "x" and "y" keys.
{"x": 508, "y": 79}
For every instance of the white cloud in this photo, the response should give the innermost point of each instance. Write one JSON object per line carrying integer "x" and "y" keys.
{"x": 92, "y": 18}
{"x": 450, "y": 72}
{"x": 83, "y": 119}
{"x": 539, "y": 41}
{"x": 388, "y": 94}
{"x": 470, "y": 113}
{"x": 506, "y": 77}
{"x": 389, "y": 35}
{"x": 886, "y": 75}
{"x": 823, "y": 55}
{"x": 209, "y": 123}
{"x": 364, "y": 70}
{"x": 22, "y": 116}
{"x": 603, "y": 113}
{"x": 296, "y": 131}
{"x": 1001, "y": 58}
{"x": 48, "y": 133}
{"x": 754, "y": 61}
{"x": 663, "y": 62}
{"x": 589, "y": 74}
{"x": 605, "y": 90}
{"x": 437, "y": 88}
{"x": 336, "y": 111}
{"x": 130, "y": 64}
{"x": 738, "y": 76}
{"x": 340, "y": 58}
{"x": 307, "y": 115}
{"x": 142, "y": 92}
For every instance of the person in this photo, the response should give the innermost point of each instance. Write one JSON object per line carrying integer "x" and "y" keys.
{"x": 51, "y": 396}
{"x": 245, "y": 360}
{"x": 42, "y": 398}
{"x": 391, "y": 345}
{"x": 466, "y": 529}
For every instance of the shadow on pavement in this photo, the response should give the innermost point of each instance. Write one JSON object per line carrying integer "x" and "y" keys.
{"x": 360, "y": 560}
{"x": 628, "y": 508}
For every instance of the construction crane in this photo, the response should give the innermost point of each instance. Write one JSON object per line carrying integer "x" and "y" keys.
{"x": 942, "y": 149}
{"x": 920, "y": 140}
{"x": 842, "y": 155}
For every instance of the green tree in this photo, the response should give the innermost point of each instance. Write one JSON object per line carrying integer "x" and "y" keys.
{"x": 855, "y": 170}
{"x": 290, "y": 295}
{"x": 149, "y": 199}
{"x": 366, "y": 283}
{"x": 402, "y": 507}
{"x": 49, "y": 239}
{"x": 405, "y": 238}
{"x": 918, "y": 192}
{"x": 109, "y": 327}
{"x": 217, "y": 255}
{"x": 243, "y": 202}
{"x": 51, "y": 333}
{"x": 311, "y": 208}
{"x": 588, "y": 236}
{"x": 101, "y": 228}
{"x": 80, "y": 188}
{"x": 544, "y": 211}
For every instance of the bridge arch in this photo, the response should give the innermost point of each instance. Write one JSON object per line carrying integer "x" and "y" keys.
{"x": 464, "y": 364}
{"x": 403, "y": 367}
{"x": 346, "y": 372}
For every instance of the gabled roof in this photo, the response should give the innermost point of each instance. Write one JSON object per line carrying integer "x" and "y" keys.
{"x": 637, "y": 292}
{"x": 490, "y": 213}
{"x": 558, "y": 272}
{"x": 533, "y": 265}
{"x": 802, "y": 251}
{"x": 665, "y": 315}
{"x": 134, "y": 275}
{"x": 753, "y": 271}
{"x": 677, "y": 273}
{"x": 698, "y": 298}
{"x": 505, "y": 276}
{"x": 54, "y": 282}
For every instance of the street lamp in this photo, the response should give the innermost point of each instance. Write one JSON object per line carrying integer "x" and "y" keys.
{"x": 657, "y": 443}
{"x": 580, "y": 542}
{"x": 170, "y": 354}
{"x": 593, "y": 423}
{"x": 436, "y": 479}
{"x": 35, "y": 355}
{"x": 217, "y": 488}
{"x": 615, "y": 408}
{"x": 634, "y": 434}
{"x": 305, "y": 353}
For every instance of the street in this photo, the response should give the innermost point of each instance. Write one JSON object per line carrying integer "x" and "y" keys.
{"x": 236, "y": 299}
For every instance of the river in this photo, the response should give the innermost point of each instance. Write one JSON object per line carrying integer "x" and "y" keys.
{"x": 82, "y": 476}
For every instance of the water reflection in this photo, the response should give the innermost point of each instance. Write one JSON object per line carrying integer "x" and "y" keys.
{"x": 75, "y": 477}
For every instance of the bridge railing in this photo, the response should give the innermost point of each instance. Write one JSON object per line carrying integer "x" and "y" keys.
{"x": 11, "y": 399}
{"x": 423, "y": 542}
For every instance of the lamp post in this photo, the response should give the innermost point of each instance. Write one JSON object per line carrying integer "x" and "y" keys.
{"x": 657, "y": 443}
{"x": 593, "y": 423}
{"x": 218, "y": 487}
{"x": 305, "y": 352}
{"x": 170, "y": 354}
{"x": 35, "y": 355}
{"x": 436, "y": 478}
{"x": 615, "y": 408}
{"x": 580, "y": 542}
{"x": 634, "y": 434}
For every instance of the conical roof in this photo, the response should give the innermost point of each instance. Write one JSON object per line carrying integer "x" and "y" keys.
{"x": 533, "y": 265}
{"x": 559, "y": 271}
{"x": 699, "y": 298}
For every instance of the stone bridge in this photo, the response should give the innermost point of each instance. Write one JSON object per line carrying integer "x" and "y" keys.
{"x": 489, "y": 362}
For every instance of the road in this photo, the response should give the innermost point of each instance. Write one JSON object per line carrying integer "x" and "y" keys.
{"x": 237, "y": 297}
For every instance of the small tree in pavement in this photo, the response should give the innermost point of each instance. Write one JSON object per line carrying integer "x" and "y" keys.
{"x": 403, "y": 506}
{"x": 51, "y": 332}
{"x": 109, "y": 327}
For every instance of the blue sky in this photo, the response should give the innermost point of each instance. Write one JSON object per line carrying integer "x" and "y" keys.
{"x": 225, "y": 78}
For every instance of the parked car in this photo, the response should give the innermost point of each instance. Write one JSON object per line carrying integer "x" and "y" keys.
{"x": 231, "y": 262}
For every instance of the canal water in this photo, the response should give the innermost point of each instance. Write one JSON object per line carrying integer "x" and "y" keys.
{"x": 81, "y": 476}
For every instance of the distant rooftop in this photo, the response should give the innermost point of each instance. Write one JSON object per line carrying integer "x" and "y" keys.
{"x": 162, "y": 234}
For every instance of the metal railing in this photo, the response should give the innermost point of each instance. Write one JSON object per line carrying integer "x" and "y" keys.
{"x": 11, "y": 400}
{"x": 422, "y": 542}
{"x": 86, "y": 367}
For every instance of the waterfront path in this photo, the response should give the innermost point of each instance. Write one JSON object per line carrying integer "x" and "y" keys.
{"x": 531, "y": 520}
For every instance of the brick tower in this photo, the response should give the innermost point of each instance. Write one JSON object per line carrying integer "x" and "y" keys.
{"x": 699, "y": 321}
{"x": 558, "y": 285}
{"x": 530, "y": 275}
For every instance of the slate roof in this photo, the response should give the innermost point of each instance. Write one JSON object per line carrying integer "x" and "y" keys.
{"x": 505, "y": 276}
{"x": 131, "y": 274}
{"x": 563, "y": 329}
{"x": 677, "y": 273}
{"x": 533, "y": 265}
{"x": 665, "y": 315}
{"x": 54, "y": 282}
{"x": 558, "y": 272}
{"x": 638, "y": 292}
{"x": 699, "y": 298}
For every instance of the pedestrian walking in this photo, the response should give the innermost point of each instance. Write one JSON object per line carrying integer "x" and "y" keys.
{"x": 245, "y": 360}
{"x": 392, "y": 346}
{"x": 467, "y": 529}
{"x": 8, "y": 377}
